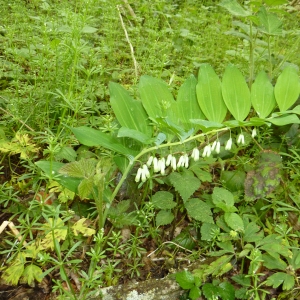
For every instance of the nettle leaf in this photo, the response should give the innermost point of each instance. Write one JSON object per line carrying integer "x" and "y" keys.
{"x": 85, "y": 187}
{"x": 208, "y": 230}
{"x": 222, "y": 198}
{"x": 129, "y": 112}
{"x": 279, "y": 278}
{"x": 194, "y": 293}
{"x": 81, "y": 227}
{"x": 184, "y": 183}
{"x": 226, "y": 291}
{"x": 199, "y": 210}
{"x": 163, "y": 200}
{"x": 236, "y": 93}
{"x": 164, "y": 217}
{"x": 92, "y": 137}
{"x": 287, "y": 88}
{"x": 81, "y": 169}
{"x": 187, "y": 103}
{"x": 262, "y": 95}
{"x": 156, "y": 98}
{"x": 209, "y": 94}
{"x": 269, "y": 23}
{"x": 32, "y": 273}
{"x": 234, "y": 221}
{"x": 234, "y": 8}
{"x": 185, "y": 279}
{"x": 252, "y": 233}
{"x": 210, "y": 291}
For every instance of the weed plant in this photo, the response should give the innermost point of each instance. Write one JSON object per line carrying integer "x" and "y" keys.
{"x": 102, "y": 166}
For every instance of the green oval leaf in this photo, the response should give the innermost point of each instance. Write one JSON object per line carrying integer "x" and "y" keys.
{"x": 287, "y": 88}
{"x": 129, "y": 112}
{"x": 187, "y": 103}
{"x": 236, "y": 93}
{"x": 262, "y": 95}
{"x": 209, "y": 94}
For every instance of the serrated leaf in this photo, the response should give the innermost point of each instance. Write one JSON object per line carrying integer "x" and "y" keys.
{"x": 210, "y": 291}
{"x": 66, "y": 153}
{"x": 226, "y": 291}
{"x": 274, "y": 262}
{"x": 187, "y": 103}
{"x": 262, "y": 95}
{"x": 269, "y": 23}
{"x": 236, "y": 93}
{"x": 208, "y": 230}
{"x": 215, "y": 268}
{"x": 194, "y": 293}
{"x": 209, "y": 94}
{"x": 81, "y": 169}
{"x": 32, "y": 273}
{"x": 85, "y": 187}
{"x": 279, "y": 278}
{"x": 222, "y": 198}
{"x": 199, "y": 210}
{"x": 287, "y": 88}
{"x": 184, "y": 183}
{"x": 185, "y": 240}
{"x": 12, "y": 274}
{"x": 234, "y": 221}
{"x": 185, "y": 279}
{"x": 81, "y": 227}
{"x": 252, "y": 233}
{"x": 164, "y": 217}
{"x": 163, "y": 200}
{"x": 129, "y": 112}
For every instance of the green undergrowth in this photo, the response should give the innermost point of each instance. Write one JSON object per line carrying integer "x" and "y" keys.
{"x": 138, "y": 138}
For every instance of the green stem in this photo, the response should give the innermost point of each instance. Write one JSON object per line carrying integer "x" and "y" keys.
{"x": 251, "y": 57}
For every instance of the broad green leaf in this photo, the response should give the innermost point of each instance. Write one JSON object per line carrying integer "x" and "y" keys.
{"x": 185, "y": 240}
{"x": 269, "y": 23}
{"x": 185, "y": 279}
{"x": 164, "y": 217}
{"x": 32, "y": 273}
{"x": 129, "y": 112}
{"x": 199, "y": 210}
{"x": 221, "y": 197}
{"x": 262, "y": 95}
{"x": 184, "y": 183}
{"x": 92, "y": 137}
{"x": 88, "y": 29}
{"x": 67, "y": 153}
{"x": 233, "y": 180}
{"x": 157, "y": 99}
{"x": 51, "y": 169}
{"x": 287, "y": 88}
{"x": 279, "y": 278}
{"x": 209, "y": 94}
{"x": 163, "y": 200}
{"x": 234, "y": 221}
{"x": 274, "y": 262}
{"x": 236, "y": 93}
{"x": 187, "y": 104}
{"x": 252, "y": 233}
{"x": 284, "y": 120}
{"x": 216, "y": 267}
{"x": 134, "y": 134}
{"x": 235, "y": 8}
{"x": 206, "y": 125}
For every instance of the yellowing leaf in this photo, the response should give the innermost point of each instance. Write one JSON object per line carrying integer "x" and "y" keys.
{"x": 31, "y": 273}
{"x": 80, "y": 227}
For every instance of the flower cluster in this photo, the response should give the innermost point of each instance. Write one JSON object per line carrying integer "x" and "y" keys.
{"x": 160, "y": 164}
